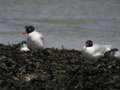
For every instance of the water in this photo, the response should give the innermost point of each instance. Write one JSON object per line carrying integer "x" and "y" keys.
{"x": 63, "y": 22}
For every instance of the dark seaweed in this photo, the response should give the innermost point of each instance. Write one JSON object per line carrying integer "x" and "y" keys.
{"x": 56, "y": 69}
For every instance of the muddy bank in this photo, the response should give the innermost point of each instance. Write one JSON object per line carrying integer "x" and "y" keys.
{"x": 54, "y": 69}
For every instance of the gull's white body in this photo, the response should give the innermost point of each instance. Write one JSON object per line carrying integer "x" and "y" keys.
{"x": 35, "y": 40}
{"x": 97, "y": 50}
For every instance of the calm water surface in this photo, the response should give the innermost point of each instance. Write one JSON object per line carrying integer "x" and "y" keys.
{"x": 63, "y": 22}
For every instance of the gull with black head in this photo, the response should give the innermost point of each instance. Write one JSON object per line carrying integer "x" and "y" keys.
{"x": 95, "y": 50}
{"x": 35, "y": 40}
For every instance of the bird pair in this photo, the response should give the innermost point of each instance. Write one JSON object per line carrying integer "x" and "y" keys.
{"x": 35, "y": 41}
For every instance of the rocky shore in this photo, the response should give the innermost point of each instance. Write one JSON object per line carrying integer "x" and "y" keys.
{"x": 56, "y": 69}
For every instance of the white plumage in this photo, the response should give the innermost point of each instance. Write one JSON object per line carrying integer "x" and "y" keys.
{"x": 24, "y": 47}
{"x": 35, "y": 40}
{"x": 97, "y": 50}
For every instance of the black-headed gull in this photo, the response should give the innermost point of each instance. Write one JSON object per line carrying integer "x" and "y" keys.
{"x": 95, "y": 50}
{"x": 35, "y": 39}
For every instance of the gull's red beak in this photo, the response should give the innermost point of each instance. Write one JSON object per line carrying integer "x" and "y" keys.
{"x": 24, "y": 32}
{"x": 86, "y": 45}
